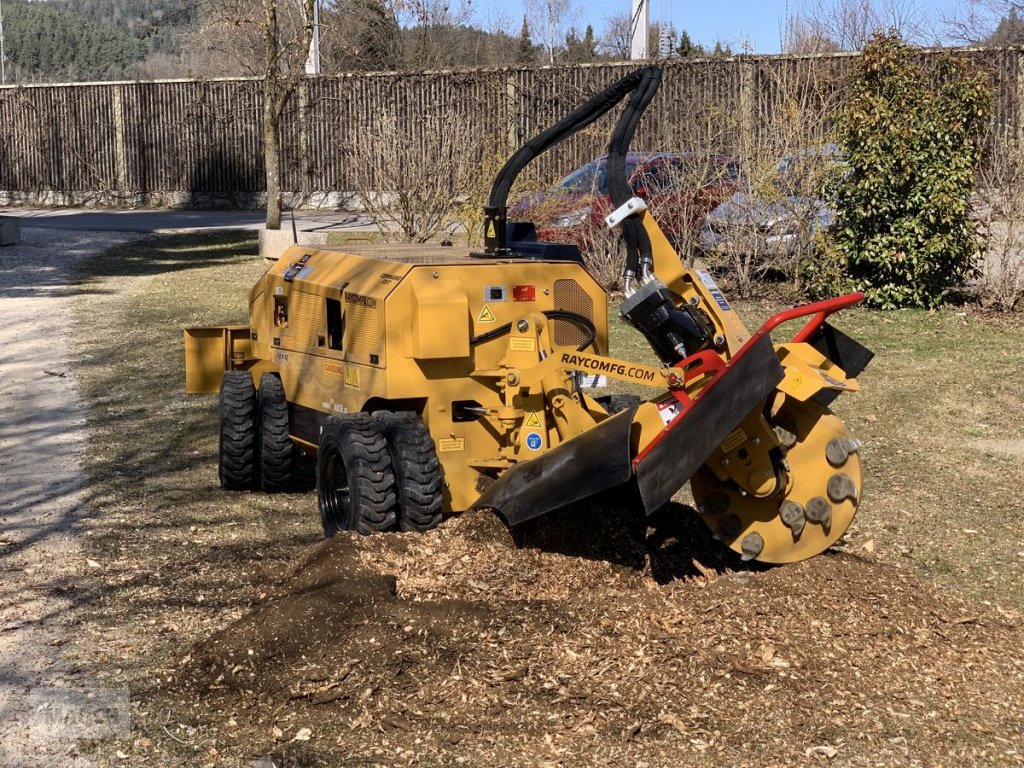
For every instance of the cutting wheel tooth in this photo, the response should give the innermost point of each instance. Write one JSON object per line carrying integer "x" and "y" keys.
{"x": 731, "y": 527}
{"x": 792, "y": 515}
{"x": 715, "y": 505}
{"x": 818, "y": 510}
{"x": 751, "y": 546}
{"x": 841, "y": 487}
{"x": 838, "y": 450}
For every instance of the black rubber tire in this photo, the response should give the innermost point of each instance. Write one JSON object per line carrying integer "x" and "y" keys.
{"x": 236, "y": 454}
{"x": 418, "y": 475}
{"x": 276, "y": 449}
{"x": 355, "y": 482}
{"x": 618, "y": 403}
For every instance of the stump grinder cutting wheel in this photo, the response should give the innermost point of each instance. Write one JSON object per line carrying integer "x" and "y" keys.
{"x": 431, "y": 380}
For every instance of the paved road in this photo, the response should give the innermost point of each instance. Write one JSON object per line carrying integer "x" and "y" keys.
{"x": 44, "y": 698}
{"x": 105, "y": 220}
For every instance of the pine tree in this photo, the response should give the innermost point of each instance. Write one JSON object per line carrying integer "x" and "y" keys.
{"x": 527, "y": 51}
{"x": 687, "y": 47}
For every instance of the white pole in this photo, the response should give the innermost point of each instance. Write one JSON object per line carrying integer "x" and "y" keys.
{"x": 3, "y": 59}
{"x": 313, "y": 61}
{"x": 639, "y": 26}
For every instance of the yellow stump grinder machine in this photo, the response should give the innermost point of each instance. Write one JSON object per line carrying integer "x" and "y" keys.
{"x": 429, "y": 380}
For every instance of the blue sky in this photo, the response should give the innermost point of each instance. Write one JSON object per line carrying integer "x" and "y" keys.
{"x": 758, "y": 22}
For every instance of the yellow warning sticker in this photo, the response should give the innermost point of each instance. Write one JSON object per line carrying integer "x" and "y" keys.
{"x": 352, "y": 377}
{"x": 522, "y": 343}
{"x": 334, "y": 369}
{"x": 533, "y": 420}
{"x": 449, "y": 444}
{"x": 486, "y": 316}
{"x": 735, "y": 439}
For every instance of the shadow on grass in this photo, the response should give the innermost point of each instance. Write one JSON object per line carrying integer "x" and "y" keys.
{"x": 167, "y": 253}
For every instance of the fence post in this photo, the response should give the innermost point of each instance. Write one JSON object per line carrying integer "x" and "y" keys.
{"x": 305, "y": 164}
{"x": 120, "y": 156}
{"x": 511, "y": 112}
{"x": 748, "y": 107}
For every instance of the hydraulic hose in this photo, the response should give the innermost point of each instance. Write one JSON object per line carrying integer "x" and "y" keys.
{"x": 551, "y": 314}
{"x": 643, "y": 83}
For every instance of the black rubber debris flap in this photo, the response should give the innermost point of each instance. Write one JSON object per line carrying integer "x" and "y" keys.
{"x": 719, "y": 410}
{"x": 595, "y": 461}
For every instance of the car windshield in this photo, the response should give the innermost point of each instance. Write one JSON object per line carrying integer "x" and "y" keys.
{"x": 590, "y": 179}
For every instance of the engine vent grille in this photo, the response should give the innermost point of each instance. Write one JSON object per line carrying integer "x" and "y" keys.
{"x": 570, "y": 297}
{"x": 362, "y": 330}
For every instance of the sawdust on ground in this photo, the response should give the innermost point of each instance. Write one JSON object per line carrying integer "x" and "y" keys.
{"x": 465, "y": 646}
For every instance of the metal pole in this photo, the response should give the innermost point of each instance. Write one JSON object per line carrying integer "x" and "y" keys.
{"x": 313, "y": 60}
{"x": 639, "y": 26}
{"x": 3, "y": 58}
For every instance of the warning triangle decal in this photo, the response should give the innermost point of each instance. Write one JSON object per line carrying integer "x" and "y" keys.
{"x": 533, "y": 420}
{"x": 486, "y": 316}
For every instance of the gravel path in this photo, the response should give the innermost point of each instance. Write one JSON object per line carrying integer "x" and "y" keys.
{"x": 42, "y": 488}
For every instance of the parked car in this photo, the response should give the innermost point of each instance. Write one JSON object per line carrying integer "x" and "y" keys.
{"x": 679, "y": 188}
{"x": 784, "y": 221}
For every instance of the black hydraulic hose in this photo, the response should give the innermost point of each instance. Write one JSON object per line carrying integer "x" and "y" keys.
{"x": 638, "y": 244}
{"x": 551, "y": 314}
{"x": 644, "y": 80}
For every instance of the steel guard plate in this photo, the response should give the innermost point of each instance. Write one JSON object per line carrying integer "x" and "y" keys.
{"x": 595, "y": 461}
{"x": 719, "y": 409}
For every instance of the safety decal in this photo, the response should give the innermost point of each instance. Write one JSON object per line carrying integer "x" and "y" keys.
{"x": 534, "y": 441}
{"x": 486, "y": 316}
{"x": 832, "y": 382}
{"x": 735, "y": 439}
{"x": 449, "y": 444}
{"x": 668, "y": 410}
{"x": 533, "y": 420}
{"x": 709, "y": 283}
{"x": 352, "y": 378}
{"x": 335, "y": 369}
{"x": 522, "y": 344}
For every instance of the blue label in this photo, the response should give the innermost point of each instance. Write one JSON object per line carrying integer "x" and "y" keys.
{"x": 534, "y": 441}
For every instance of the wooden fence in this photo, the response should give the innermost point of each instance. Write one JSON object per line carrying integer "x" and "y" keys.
{"x": 199, "y": 142}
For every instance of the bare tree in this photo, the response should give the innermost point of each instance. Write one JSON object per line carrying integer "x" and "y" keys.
{"x": 412, "y": 176}
{"x": 999, "y": 209}
{"x": 617, "y": 38}
{"x": 805, "y": 37}
{"x": 847, "y": 24}
{"x": 549, "y": 19}
{"x": 984, "y": 22}
{"x": 271, "y": 42}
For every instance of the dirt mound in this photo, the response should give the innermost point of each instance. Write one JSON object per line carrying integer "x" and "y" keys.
{"x": 461, "y": 646}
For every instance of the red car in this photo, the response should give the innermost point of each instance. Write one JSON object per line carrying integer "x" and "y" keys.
{"x": 679, "y": 188}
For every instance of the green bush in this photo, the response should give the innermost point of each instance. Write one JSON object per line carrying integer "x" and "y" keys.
{"x": 912, "y": 139}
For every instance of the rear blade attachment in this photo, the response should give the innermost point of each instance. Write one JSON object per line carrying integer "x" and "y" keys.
{"x": 584, "y": 466}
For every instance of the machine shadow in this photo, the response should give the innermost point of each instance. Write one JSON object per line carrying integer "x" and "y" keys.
{"x": 672, "y": 543}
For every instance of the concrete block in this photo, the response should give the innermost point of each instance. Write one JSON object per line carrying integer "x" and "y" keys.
{"x": 10, "y": 230}
{"x": 274, "y": 242}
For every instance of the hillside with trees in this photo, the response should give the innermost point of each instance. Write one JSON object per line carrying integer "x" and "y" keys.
{"x": 44, "y": 42}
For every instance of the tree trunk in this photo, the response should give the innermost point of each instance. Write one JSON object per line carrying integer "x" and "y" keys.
{"x": 272, "y": 159}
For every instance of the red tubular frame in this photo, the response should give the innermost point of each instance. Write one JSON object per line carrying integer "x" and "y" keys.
{"x": 820, "y": 309}
{"x": 708, "y": 361}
